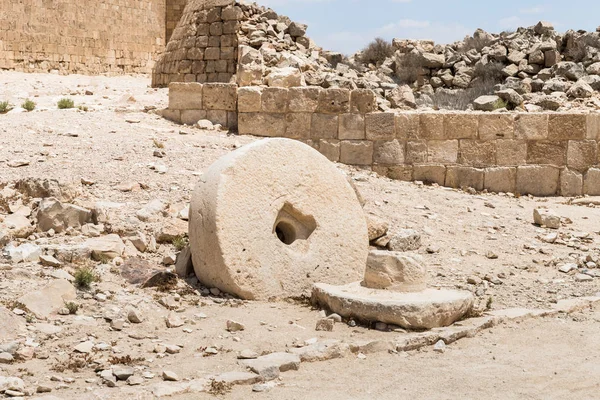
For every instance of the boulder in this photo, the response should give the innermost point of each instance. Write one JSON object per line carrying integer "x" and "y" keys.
{"x": 405, "y": 240}
{"x": 402, "y": 97}
{"x": 52, "y": 214}
{"x": 295, "y": 29}
{"x": 273, "y": 217}
{"x": 17, "y": 226}
{"x": 109, "y": 246}
{"x": 543, "y": 28}
{"x": 50, "y": 299}
{"x": 11, "y": 325}
{"x": 285, "y": 77}
{"x": 488, "y": 103}
{"x": 580, "y": 90}
{"x": 569, "y": 70}
{"x": 27, "y": 252}
{"x": 394, "y": 271}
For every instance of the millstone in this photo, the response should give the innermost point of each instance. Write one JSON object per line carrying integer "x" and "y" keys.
{"x": 270, "y": 219}
{"x": 430, "y": 308}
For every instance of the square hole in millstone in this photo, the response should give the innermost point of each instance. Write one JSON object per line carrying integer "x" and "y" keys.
{"x": 291, "y": 224}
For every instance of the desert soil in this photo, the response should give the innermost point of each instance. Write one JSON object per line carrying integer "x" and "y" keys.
{"x": 487, "y": 236}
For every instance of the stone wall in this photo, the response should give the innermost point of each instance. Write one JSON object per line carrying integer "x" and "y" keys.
{"x": 71, "y": 36}
{"x": 528, "y": 153}
{"x": 203, "y": 47}
{"x": 173, "y": 15}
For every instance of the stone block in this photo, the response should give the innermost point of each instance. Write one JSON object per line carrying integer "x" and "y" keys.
{"x": 388, "y": 152}
{"x": 591, "y": 182}
{"x": 430, "y": 173}
{"x": 567, "y": 126}
{"x": 380, "y": 126}
{"x": 298, "y": 125}
{"x": 582, "y": 154}
{"x": 275, "y": 99}
{"x": 220, "y": 96}
{"x": 330, "y": 148}
{"x": 262, "y": 124}
{"x": 356, "y": 152}
{"x": 407, "y": 126}
{"x": 544, "y": 152}
{"x": 500, "y": 179}
{"x": 249, "y": 99}
{"x": 334, "y": 101}
{"x": 431, "y": 126}
{"x": 212, "y": 53}
{"x": 442, "y": 151}
{"x": 396, "y": 172}
{"x": 303, "y": 99}
{"x": 461, "y": 126}
{"x": 352, "y": 127}
{"x": 416, "y": 152}
{"x": 593, "y": 126}
{"x": 531, "y": 126}
{"x": 232, "y": 121}
{"x": 324, "y": 126}
{"x": 185, "y": 96}
{"x": 463, "y": 177}
{"x": 171, "y": 115}
{"x": 217, "y": 117}
{"x": 493, "y": 126}
{"x": 190, "y": 117}
{"x": 571, "y": 183}
{"x": 362, "y": 101}
{"x": 477, "y": 153}
{"x": 538, "y": 180}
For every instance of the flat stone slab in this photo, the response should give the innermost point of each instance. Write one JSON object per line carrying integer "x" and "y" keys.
{"x": 269, "y": 366}
{"x": 430, "y": 308}
{"x": 49, "y": 299}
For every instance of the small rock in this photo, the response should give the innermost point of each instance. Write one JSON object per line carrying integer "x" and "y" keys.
{"x": 405, "y": 240}
{"x": 43, "y": 389}
{"x": 85, "y": 347}
{"x": 134, "y": 317}
{"x": 440, "y": 346}
{"x": 325, "y": 324}
{"x": 174, "y": 321}
{"x": 49, "y": 261}
{"x": 583, "y": 278}
{"x": 122, "y": 373}
{"x": 233, "y": 326}
{"x": 135, "y": 380}
{"x": 247, "y": 355}
{"x": 546, "y": 218}
{"x": 170, "y": 376}
{"x": 6, "y": 358}
{"x": 117, "y": 324}
{"x": 567, "y": 268}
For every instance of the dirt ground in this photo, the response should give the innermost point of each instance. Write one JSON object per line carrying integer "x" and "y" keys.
{"x": 113, "y": 145}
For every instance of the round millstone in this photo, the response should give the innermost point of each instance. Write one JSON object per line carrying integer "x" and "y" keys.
{"x": 272, "y": 218}
{"x": 430, "y": 308}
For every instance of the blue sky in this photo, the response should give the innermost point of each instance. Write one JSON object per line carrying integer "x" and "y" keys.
{"x": 347, "y": 25}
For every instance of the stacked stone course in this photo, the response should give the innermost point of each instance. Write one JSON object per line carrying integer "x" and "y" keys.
{"x": 528, "y": 153}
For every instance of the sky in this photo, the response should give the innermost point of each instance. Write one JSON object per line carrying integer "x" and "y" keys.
{"x": 348, "y": 25}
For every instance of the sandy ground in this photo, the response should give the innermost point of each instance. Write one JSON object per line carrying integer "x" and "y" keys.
{"x": 113, "y": 144}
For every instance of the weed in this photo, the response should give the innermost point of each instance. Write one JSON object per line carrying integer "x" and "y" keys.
{"x": 158, "y": 144}
{"x": 376, "y": 52}
{"x": 489, "y": 302}
{"x": 84, "y": 277}
{"x": 65, "y": 102}
{"x": 124, "y": 360}
{"x": 409, "y": 68}
{"x": 180, "y": 242}
{"x": 5, "y": 107}
{"x": 219, "y": 387}
{"x": 72, "y": 307}
{"x": 28, "y": 105}
{"x": 83, "y": 108}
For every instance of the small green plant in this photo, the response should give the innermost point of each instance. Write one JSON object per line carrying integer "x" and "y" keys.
{"x": 28, "y": 105}
{"x": 5, "y": 107}
{"x": 65, "y": 102}
{"x": 158, "y": 144}
{"x": 83, "y": 108}
{"x": 488, "y": 304}
{"x": 180, "y": 242}
{"x": 84, "y": 277}
{"x": 72, "y": 307}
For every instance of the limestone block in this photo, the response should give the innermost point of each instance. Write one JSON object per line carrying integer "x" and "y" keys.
{"x": 430, "y": 173}
{"x": 259, "y": 222}
{"x": 356, "y": 152}
{"x": 362, "y": 101}
{"x": 500, "y": 179}
{"x": 380, "y": 126}
{"x": 249, "y": 99}
{"x": 416, "y": 151}
{"x": 274, "y": 99}
{"x": 568, "y": 126}
{"x": 442, "y": 151}
{"x": 462, "y": 177}
{"x": 304, "y": 99}
{"x": 494, "y": 126}
{"x": 531, "y": 126}
{"x": 477, "y": 153}
{"x": 217, "y": 117}
{"x": 330, "y": 148}
{"x": 190, "y": 117}
{"x": 230, "y": 13}
{"x": 582, "y": 154}
{"x": 262, "y": 124}
{"x": 431, "y": 126}
{"x": 352, "y": 127}
{"x": 593, "y": 126}
{"x": 397, "y": 172}
{"x": 388, "y": 152}
{"x": 220, "y": 96}
{"x": 334, "y": 101}
{"x": 545, "y": 152}
{"x": 407, "y": 126}
{"x": 538, "y": 180}
{"x": 298, "y": 125}
{"x": 591, "y": 183}
{"x": 461, "y": 126}
{"x": 212, "y": 53}
{"x": 511, "y": 152}
{"x": 571, "y": 183}
{"x": 421, "y": 310}
{"x": 185, "y": 96}
{"x": 395, "y": 271}
{"x": 324, "y": 126}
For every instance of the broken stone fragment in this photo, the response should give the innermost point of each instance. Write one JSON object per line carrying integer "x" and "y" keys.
{"x": 547, "y": 218}
{"x": 376, "y": 226}
{"x": 52, "y": 214}
{"x": 405, "y": 240}
{"x": 109, "y": 246}
{"x": 41, "y": 303}
{"x": 394, "y": 271}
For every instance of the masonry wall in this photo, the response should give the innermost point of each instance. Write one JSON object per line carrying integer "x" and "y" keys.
{"x": 81, "y": 36}
{"x": 203, "y": 46}
{"x": 173, "y": 15}
{"x": 542, "y": 154}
